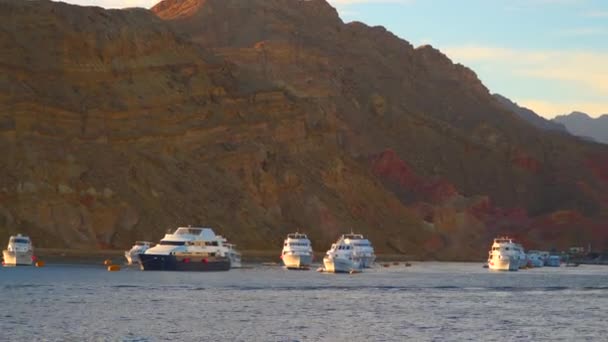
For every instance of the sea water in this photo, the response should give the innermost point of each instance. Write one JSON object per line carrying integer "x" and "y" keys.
{"x": 424, "y": 302}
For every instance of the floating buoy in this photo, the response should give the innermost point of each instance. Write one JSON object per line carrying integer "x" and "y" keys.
{"x": 39, "y": 263}
{"x": 107, "y": 262}
{"x": 113, "y": 268}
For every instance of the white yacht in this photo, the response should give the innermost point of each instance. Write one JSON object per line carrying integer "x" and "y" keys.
{"x": 297, "y": 251}
{"x": 553, "y": 261}
{"x": 19, "y": 252}
{"x": 340, "y": 258}
{"x": 138, "y": 248}
{"x": 535, "y": 259}
{"x": 504, "y": 255}
{"x": 523, "y": 258}
{"x": 191, "y": 249}
{"x": 363, "y": 250}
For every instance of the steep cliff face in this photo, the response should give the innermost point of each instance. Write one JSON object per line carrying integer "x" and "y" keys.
{"x": 262, "y": 117}
{"x": 114, "y": 128}
{"x": 410, "y": 103}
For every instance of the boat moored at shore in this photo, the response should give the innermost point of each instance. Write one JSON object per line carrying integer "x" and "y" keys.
{"x": 19, "y": 251}
{"x": 191, "y": 249}
{"x": 138, "y": 248}
{"x": 504, "y": 255}
{"x": 340, "y": 258}
{"x": 297, "y": 251}
{"x": 362, "y": 249}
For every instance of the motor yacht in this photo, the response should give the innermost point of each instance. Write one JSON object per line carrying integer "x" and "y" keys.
{"x": 553, "y": 261}
{"x": 191, "y": 249}
{"x": 297, "y": 251}
{"x": 503, "y": 255}
{"x": 138, "y": 248}
{"x": 535, "y": 259}
{"x": 362, "y": 249}
{"x": 523, "y": 258}
{"x": 340, "y": 258}
{"x": 19, "y": 251}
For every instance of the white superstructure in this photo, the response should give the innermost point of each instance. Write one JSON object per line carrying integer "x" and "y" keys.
{"x": 523, "y": 258}
{"x": 362, "y": 249}
{"x": 196, "y": 240}
{"x": 340, "y": 258}
{"x": 504, "y": 255}
{"x": 535, "y": 259}
{"x": 297, "y": 251}
{"x": 19, "y": 251}
{"x": 138, "y": 248}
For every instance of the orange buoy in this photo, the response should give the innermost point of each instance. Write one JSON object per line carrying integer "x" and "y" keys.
{"x": 107, "y": 262}
{"x": 39, "y": 263}
{"x": 113, "y": 268}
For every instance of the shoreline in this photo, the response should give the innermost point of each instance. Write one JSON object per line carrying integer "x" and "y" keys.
{"x": 83, "y": 256}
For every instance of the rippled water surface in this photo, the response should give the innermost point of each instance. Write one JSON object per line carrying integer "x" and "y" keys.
{"x": 428, "y": 301}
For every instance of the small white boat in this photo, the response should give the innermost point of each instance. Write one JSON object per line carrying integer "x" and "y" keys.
{"x": 138, "y": 248}
{"x": 362, "y": 249}
{"x": 553, "y": 261}
{"x": 535, "y": 259}
{"x": 340, "y": 258}
{"x": 19, "y": 252}
{"x": 297, "y": 251}
{"x": 523, "y": 258}
{"x": 504, "y": 255}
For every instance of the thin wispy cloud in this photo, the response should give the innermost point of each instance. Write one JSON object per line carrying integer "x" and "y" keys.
{"x": 584, "y": 31}
{"x": 352, "y": 2}
{"x": 587, "y": 71}
{"x": 596, "y": 14}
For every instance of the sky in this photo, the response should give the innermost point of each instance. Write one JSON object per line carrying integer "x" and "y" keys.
{"x": 548, "y": 55}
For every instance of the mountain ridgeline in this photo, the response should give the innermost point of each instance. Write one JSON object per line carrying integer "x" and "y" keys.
{"x": 262, "y": 117}
{"x": 582, "y": 125}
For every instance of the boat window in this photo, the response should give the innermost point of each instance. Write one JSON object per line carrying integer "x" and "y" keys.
{"x": 171, "y": 243}
{"x": 211, "y": 243}
{"x": 17, "y": 240}
{"x": 507, "y": 248}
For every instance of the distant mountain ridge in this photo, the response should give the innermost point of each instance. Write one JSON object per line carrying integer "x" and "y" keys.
{"x": 583, "y": 125}
{"x": 530, "y": 116}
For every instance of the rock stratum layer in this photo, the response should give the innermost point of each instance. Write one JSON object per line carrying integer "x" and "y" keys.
{"x": 263, "y": 117}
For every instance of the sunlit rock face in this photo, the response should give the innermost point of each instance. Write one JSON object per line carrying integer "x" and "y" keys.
{"x": 262, "y": 117}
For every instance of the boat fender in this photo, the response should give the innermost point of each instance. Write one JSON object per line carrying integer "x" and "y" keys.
{"x": 113, "y": 268}
{"x": 39, "y": 263}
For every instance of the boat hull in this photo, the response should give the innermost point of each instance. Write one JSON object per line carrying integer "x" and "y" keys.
{"x": 339, "y": 265}
{"x": 131, "y": 258}
{"x": 297, "y": 261}
{"x": 505, "y": 264}
{"x": 17, "y": 258}
{"x": 194, "y": 263}
{"x": 367, "y": 261}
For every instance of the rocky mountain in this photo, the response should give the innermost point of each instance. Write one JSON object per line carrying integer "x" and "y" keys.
{"x": 262, "y": 117}
{"x": 583, "y": 125}
{"x": 530, "y": 115}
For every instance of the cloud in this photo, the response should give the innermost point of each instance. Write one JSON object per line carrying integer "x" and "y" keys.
{"x": 580, "y": 74}
{"x": 586, "y": 68}
{"x": 550, "y": 109}
{"x": 584, "y": 31}
{"x": 597, "y": 14}
{"x": 351, "y": 2}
